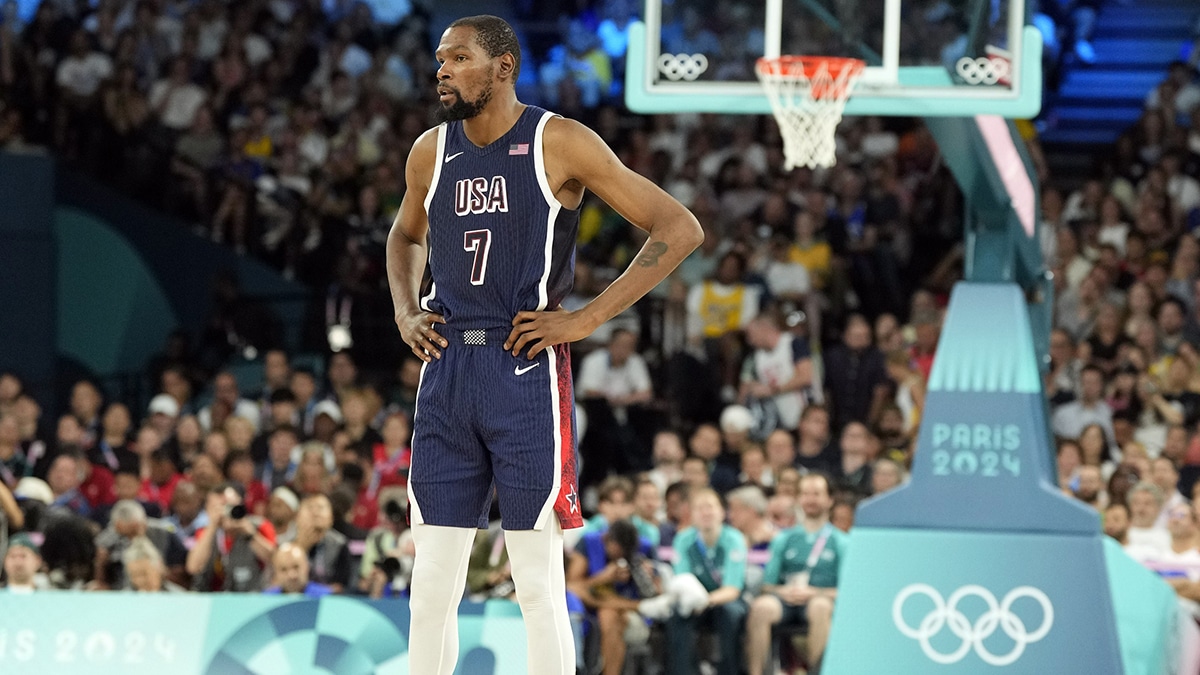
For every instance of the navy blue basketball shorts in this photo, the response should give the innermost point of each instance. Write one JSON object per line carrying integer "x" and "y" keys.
{"x": 485, "y": 420}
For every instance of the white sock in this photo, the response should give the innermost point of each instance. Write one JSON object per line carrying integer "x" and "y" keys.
{"x": 438, "y": 580}
{"x": 536, "y": 558}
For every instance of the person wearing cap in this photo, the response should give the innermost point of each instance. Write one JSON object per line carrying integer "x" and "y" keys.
{"x": 327, "y": 417}
{"x": 22, "y": 562}
{"x": 281, "y": 510}
{"x": 162, "y": 414}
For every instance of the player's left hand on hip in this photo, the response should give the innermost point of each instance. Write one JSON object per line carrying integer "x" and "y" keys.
{"x": 539, "y": 330}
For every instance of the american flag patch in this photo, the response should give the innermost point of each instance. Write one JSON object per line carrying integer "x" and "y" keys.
{"x": 518, "y": 149}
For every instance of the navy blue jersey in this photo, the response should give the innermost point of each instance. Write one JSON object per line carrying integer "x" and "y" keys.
{"x": 499, "y": 240}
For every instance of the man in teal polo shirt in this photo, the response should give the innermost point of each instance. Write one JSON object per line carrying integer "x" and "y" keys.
{"x": 800, "y": 580}
{"x": 715, "y": 554}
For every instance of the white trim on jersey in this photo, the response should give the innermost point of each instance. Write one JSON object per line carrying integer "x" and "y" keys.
{"x": 539, "y": 168}
{"x": 433, "y": 185}
{"x": 556, "y": 414}
{"x": 414, "y": 509}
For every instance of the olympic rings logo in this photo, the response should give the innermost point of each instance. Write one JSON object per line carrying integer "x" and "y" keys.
{"x": 982, "y": 70}
{"x": 945, "y": 613}
{"x": 677, "y": 67}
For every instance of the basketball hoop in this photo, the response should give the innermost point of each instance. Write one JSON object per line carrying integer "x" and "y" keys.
{"x": 807, "y": 95}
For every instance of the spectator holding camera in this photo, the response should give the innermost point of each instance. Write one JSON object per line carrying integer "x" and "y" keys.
{"x": 611, "y": 575}
{"x": 290, "y": 574}
{"x": 232, "y": 551}
{"x": 387, "y": 560}
{"x": 127, "y": 523}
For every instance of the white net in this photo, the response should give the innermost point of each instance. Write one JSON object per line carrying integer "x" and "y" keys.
{"x": 807, "y": 96}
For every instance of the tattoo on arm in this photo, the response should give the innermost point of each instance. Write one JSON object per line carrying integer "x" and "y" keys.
{"x": 653, "y": 252}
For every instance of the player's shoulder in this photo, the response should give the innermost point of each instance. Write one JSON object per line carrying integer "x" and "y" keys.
{"x": 422, "y": 157}
{"x": 564, "y": 130}
{"x": 426, "y": 143}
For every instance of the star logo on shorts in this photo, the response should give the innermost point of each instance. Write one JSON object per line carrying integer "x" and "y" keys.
{"x": 572, "y": 499}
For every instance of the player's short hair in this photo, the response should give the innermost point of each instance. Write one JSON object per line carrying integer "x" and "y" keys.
{"x": 496, "y": 37}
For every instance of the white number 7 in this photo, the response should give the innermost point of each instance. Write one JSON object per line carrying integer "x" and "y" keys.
{"x": 479, "y": 241}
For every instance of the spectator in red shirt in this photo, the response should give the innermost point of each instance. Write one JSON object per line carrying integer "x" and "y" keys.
{"x": 159, "y": 487}
{"x": 239, "y": 468}
{"x": 393, "y": 456}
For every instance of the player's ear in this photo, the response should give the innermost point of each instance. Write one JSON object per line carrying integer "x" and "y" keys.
{"x": 506, "y": 66}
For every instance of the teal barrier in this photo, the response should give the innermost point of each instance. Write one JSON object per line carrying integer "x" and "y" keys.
{"x": 183, "y": 634}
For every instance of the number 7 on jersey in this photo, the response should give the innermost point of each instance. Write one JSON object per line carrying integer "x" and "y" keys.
{"x": 479, "y": 241}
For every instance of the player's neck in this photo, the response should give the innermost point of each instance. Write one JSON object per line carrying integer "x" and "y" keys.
{"x": 500, "y": 115}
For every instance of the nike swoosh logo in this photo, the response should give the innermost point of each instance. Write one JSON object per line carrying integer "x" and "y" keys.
{"x": 450, "y": 157}
{"x": 521, "y": 371}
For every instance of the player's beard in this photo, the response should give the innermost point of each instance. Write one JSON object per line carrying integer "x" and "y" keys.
{"x": 462, "y": 109}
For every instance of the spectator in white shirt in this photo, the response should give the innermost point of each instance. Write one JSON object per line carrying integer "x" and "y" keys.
{"x": 79, "y": 77}
{"x": 1165, "y": 475}
{"x": 611, "y": 382}
{"x": 175, "y": 99}
{"x": 1146, "y": 538}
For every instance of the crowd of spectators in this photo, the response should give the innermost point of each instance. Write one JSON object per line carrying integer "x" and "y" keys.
{"x": 776, "y": 379}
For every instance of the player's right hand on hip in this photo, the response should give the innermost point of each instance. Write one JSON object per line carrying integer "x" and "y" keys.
{"x": 417, "y": 331}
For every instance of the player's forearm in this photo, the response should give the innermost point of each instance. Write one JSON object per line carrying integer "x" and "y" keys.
{"x": 669, "y": 243}
{"x": 405, "y": 267}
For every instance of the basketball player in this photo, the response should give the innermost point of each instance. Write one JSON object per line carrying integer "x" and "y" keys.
{"x": 492, "y": 207}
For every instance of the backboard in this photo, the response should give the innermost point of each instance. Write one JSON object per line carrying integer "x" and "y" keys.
{"x": 924, "y": 57}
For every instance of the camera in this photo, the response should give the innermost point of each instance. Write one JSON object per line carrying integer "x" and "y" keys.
{"x": 235, "y": 512}
{"x": 390, "y": 566}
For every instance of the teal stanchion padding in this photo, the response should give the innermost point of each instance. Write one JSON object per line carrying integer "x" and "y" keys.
{"x": 1147, "y": 613}
{"x": 934, "y": 602}
{"x": 979, "y": 564}
{"x": 983, "y": 458}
